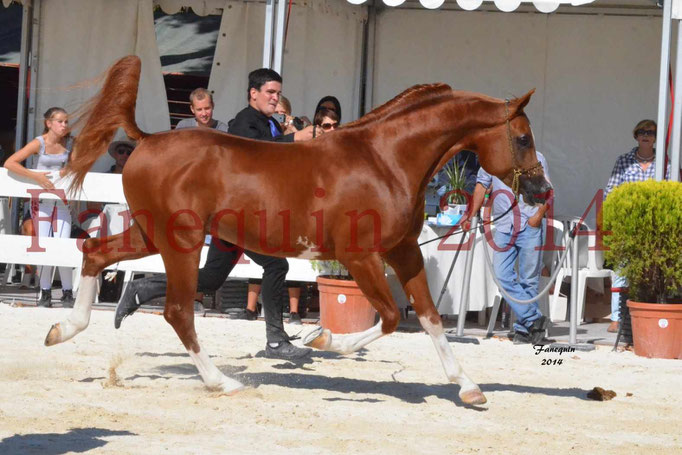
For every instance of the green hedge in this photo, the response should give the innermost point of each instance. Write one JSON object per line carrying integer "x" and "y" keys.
{"x": 645, "y": 244}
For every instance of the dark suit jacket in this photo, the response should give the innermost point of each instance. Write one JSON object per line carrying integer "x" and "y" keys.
{"x": 253, "y": 124}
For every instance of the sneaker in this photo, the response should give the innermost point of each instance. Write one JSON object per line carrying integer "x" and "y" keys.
{"x": 285, "y": 350}
{"x": 67, "y": 298}
{"x": 128, "y": 304}
{"x": 537, "y": 329}
{"x": 295, "y": 319}
{"x": 521, "y": 338}
{"x": 45, "y": 298}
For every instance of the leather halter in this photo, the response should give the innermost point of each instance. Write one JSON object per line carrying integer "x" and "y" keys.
{"x": 518, "y": 172}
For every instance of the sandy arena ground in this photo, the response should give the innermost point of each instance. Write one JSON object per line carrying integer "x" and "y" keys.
{"x": 136, "y": 391}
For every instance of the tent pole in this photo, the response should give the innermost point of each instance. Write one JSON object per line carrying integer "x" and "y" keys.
{"x": 663, "y": 90}
{"x": 279, "y": 36}
{"x": 267, "y": 34}
{"x": 32, "y": 96}
{"x": 677, "y": 111}
{"x": 573, "y": 311}
{"x": 23, "y": 77}
{"x": 369, "y": 59}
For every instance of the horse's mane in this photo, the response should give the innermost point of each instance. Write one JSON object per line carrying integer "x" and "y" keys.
{"x": 416, "y": 94}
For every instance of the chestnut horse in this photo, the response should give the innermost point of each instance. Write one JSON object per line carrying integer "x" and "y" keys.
{"x": 356, "y": 195}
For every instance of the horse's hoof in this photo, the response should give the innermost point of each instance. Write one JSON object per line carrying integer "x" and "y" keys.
{"x": 319, "y": 339}
{"x": 473, "y": 396}
{"x": 228, "y": 388}
{"x": 233, "y": 392}
{"x": 54, "y": 336}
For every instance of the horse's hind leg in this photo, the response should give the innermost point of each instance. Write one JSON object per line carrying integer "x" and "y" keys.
{"x": 98, "y": 253}
{"x": 182, "y": 273}
{"x": 408, "y": 263}
{"x": 369, "y": 275}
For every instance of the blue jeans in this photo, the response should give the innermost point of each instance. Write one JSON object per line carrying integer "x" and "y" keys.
{"x": 525, "y": 285}
{"x": 617, "y": 281}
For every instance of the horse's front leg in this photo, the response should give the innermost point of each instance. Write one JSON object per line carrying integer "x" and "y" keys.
{"x": 181, "y": 270}
{"x": 97, "y": 254}
{"x": 408, "y": 263}
{"x": 369, "y": 275}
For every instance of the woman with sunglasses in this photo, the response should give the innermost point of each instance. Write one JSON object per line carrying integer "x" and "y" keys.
{"x": 54, "y": 218}
{"x": 638, "y": 165}
{"x": 326, "y": 119}
{"x": 331, "y": 103}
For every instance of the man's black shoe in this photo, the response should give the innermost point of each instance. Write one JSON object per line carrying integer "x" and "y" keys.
{"x": 67, "y": 298}
{"x": 543, "y": 342}
{"x": 128, "y": 304}
{"x": 251, "y": 315}
{"x": 45, "y": 298}
{"x": 295, "y": 318}
{"x": 521, "y": 338}
{"x": 537, "y": 329}
{"x": 285, "y": 350}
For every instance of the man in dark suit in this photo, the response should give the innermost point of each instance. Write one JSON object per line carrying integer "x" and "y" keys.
{"x": 254, "y": 122}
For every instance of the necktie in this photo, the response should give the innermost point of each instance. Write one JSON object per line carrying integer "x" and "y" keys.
{"x": 273, "y": 128}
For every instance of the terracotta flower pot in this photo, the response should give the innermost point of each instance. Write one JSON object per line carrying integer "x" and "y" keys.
{"x": 343, "y": 306}
{"x": 656, "y": 329}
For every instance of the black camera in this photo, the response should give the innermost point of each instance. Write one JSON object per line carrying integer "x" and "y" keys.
{"x": 297, "y": 122}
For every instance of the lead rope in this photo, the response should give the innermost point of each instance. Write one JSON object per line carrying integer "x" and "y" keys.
{"x": 569, "y": 242}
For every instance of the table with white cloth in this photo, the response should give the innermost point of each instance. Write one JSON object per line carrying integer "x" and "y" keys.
{"x": 438, "y": 256}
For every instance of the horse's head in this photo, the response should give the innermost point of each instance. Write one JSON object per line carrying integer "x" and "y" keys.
{"x": 507, "y": 151}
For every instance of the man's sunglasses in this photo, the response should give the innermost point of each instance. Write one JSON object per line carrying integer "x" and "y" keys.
{"x": 329, "y": 126}
{"x": 646, "y": 132}
{"x": 124, "y": 150}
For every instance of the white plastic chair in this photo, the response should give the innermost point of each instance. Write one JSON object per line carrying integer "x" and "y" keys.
{"x": 590, "y": 273}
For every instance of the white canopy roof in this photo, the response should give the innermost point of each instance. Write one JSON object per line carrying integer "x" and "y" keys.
{"x": 545, "y": 6}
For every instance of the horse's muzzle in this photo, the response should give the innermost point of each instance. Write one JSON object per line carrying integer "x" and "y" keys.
{"x": 536, "y": 189}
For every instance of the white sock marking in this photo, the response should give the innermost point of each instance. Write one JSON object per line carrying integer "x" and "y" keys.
{"x": 453, "y": 370}
{"x": 79, "y": 317}
{"x": 213, "y": 378}
{"x": 345, "y": 344}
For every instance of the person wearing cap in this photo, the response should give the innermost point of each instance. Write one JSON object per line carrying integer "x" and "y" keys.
{"x": 120, "y": 151}
{"x": 90, "y": 221}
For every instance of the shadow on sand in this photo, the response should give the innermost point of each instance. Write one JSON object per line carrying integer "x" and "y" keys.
{"x": 77, "y": 440}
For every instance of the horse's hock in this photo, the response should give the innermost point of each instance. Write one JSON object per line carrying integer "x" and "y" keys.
{"x": 343, "y": 306}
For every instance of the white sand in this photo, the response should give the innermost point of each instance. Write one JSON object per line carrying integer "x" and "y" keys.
{"x": 390, "y": 398}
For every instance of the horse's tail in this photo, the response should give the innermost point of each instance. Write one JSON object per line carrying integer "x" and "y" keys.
{"x": 111, "y": 108}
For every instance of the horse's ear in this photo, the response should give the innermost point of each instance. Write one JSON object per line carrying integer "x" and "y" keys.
{"x": 523, "y": 101}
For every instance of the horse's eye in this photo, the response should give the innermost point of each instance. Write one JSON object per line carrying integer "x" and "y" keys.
{"x": 523, "y": 141}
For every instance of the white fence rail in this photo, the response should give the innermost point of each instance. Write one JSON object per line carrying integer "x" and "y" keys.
{"x": 107, "y": 188}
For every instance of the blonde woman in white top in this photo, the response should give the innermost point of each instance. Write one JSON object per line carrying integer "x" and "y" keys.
{"x": 54, "y": 218}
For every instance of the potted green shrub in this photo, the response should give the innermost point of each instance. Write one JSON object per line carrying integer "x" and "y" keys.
{"x": 643, "y": 223}
{"x": 343, "y": 306}
{"x": 456, "y": 189}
